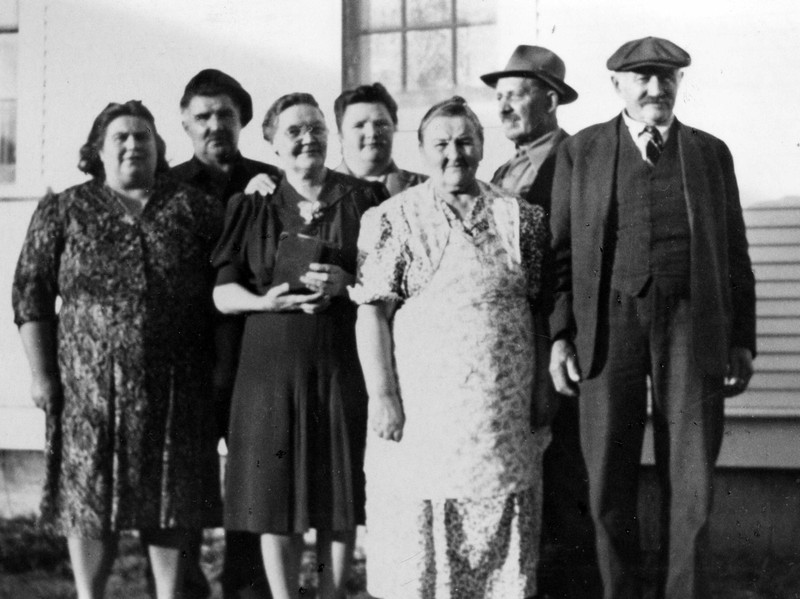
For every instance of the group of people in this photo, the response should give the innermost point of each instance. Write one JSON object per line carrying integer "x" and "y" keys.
{"x": 461, "y": 366}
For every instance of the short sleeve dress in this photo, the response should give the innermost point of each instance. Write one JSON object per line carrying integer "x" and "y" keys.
{"x": 453, "y": 509}
{"x": 133, "y": 446}
{"x": 298, "y": 414}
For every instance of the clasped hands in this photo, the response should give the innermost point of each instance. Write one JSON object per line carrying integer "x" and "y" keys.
{"x": 325, "y": 282}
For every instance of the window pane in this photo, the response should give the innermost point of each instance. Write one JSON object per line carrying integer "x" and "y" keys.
{"x": 382, "y": 59}
{"x": 9, "y": 15}
{"x": 379, "y": 14}
{"x": 8, "y": 140}
{"x": 429, "y": 60}
{"x": 474, "y": 52}
{"x": 8, "y": 65}
{"x": 476, "y": 11}
{"x": 428, "y": 12}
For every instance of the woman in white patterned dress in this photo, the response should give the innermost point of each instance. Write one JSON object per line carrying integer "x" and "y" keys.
{"x": 448, "y": 271}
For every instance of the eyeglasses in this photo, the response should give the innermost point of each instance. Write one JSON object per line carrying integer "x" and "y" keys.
{"x": 298, "y": 131}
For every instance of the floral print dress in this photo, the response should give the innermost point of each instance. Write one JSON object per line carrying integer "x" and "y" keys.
{"x": 453, "y": 509}
{"x": 133, "y": 446}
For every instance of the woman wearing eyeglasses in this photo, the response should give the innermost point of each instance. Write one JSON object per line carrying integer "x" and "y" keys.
{"x": 298, "y": 418}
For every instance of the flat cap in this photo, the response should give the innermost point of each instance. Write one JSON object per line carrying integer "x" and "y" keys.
{"x": 211, "y": 82}
{"x": 539, "y": 63}
{"x": 648, "y": 52}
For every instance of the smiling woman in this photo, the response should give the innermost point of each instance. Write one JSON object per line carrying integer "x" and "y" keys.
{"x": 123, "y": 369}
{"x": 298, "y": 414}
{"x": 447, "y": 274}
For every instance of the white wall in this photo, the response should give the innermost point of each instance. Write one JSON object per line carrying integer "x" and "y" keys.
{"x": 743, "y": 84}
{"x": 91, "y": 52}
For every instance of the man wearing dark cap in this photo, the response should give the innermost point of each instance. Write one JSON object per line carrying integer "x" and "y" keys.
{"x": 215, "y": 108}
{"x": 653, "y": 280}
{"x": 529, "y": 91}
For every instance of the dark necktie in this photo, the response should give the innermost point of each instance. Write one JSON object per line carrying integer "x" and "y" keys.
{"x": 655, "y": 145}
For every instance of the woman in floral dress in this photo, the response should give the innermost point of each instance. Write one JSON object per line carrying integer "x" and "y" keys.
{"x": 122, "y": 369}
{"x": 447, "y": 274}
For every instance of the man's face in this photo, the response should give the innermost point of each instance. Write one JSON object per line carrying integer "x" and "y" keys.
{"x": 649, "y": 94}
{"x": 213, "y": 123}
{"x": 525, "y": 106}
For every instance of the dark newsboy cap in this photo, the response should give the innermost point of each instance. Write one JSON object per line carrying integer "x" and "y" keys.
{"x": 539, "y": 63}
{"x": 211, "y": 82}
{"x": 648, "y": 52}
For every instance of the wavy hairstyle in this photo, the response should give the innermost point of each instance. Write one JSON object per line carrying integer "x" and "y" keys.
{"x": 270, "y": 123}
{"x": 90, "y": 162}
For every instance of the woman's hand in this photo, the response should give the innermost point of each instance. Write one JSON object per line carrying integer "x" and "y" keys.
{"x": 329, "y": 279}
{"x": 261, "y": 183}
{"x": 46, "y": 392}
{"x": 386, "y": 417}
{"x": 278, "y": 299}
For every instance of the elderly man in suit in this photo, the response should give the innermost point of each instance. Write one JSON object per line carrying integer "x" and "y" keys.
{"x": 653, "y": 280}
{"x": 529, "y": 91}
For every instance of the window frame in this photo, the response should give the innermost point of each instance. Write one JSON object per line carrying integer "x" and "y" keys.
{"x": 8, "y": 170}
{"x": 353, "y": 31}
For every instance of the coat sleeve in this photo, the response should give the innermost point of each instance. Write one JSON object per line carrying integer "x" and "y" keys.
{"x": 562, "y": 320}
{"x": 740, "y": 270}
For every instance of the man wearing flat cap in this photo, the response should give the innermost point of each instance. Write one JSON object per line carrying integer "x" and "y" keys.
{"x": 529, "y": 91}
{"x": 653, "y": 281}
{"x": 214, "y": 109}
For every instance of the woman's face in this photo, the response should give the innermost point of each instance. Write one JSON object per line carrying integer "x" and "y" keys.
{"x": 129, "y": 153}
{"x": 452, "y": 150}
{"x": 301, "y": 138}
{"x": 366, "y": 135}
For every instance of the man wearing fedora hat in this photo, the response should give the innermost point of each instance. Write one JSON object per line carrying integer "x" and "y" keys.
{"x": 529, "y": 91}
{"x": 652, "y": 281}
{"x": 214, "y": 109}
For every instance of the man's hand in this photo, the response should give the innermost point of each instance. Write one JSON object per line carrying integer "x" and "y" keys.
{"x": 740, "y": 369}
{"x": 261, "y": 183}
{"x": 564, "y": 368}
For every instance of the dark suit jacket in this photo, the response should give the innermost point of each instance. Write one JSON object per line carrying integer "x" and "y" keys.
{"x": 722, "y": 285}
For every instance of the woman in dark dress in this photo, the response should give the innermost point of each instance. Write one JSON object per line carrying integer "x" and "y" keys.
{"x": 298, "y": 419}
{"x": 123, "y": 369}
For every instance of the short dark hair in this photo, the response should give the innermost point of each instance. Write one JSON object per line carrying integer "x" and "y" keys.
{"x": 90, "y": 162}
{"x": 366, "y": 94}
{"x": 213, "y": 82}
{"x": 455, "y": 106}
{"x": 270, "y": 123}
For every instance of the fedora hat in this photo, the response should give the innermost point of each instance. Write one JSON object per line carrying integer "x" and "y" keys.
{"x": 539, "y": 63}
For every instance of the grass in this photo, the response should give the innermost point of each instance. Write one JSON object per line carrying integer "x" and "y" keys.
{"x": 34, "y": 565}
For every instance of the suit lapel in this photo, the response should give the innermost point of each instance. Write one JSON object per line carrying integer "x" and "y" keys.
{"x": 601, "y": 159}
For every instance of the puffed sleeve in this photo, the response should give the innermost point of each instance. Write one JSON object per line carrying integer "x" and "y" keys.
{"x": 382, "y": 259}
{"x": 534, "y": 239}
{"x": 35, "y": 286}
{"x": 229, "y": 258}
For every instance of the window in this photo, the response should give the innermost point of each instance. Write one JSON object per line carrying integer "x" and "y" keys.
{"x": 418, "y": 45}
{"x": 9, "y": 42}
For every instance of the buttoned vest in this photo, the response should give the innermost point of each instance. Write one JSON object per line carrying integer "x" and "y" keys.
{"x": 652, "y": 237}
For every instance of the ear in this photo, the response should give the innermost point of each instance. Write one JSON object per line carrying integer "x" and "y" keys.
{"x": 553, "y": 97}
{"x": 615, "y": 82}
{"x": 184, "y": 121}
